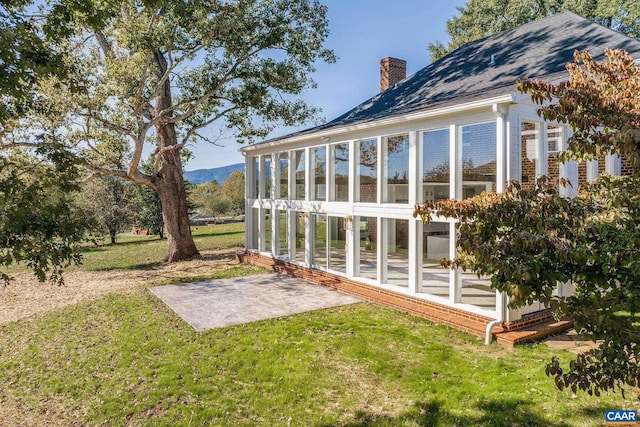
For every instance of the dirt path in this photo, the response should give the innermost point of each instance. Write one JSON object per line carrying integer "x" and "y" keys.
{"x": 26, "y": 297}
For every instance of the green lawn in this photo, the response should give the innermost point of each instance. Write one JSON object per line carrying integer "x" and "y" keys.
{"x": 129, "y": 360}
{"x": 136, "y": 252}
{"x": 143, "y": 252}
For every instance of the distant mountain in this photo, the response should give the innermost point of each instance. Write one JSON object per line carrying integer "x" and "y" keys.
{"x": 201, "y": 176}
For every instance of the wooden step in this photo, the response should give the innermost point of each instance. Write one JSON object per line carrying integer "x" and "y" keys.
{"x": 531, "y": 333}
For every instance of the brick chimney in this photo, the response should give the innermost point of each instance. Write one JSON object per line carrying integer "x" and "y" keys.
{"x": 392, "y": 70}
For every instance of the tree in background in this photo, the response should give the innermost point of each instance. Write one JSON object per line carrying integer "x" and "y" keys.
{"x": 112, "y": 202}
{"x": 149, "y": 213}
{"x": 210, "y": 200}
{"x": 156, "y": 73}
{"x": 483, "y": 18}
{"x": 528, "y": 241}
{"x": 233, "y": 190}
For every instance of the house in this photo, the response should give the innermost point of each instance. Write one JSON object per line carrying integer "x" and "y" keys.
{"x": 334, "y": 203}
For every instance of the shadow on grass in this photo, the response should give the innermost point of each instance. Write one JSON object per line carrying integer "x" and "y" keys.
{"x": 227, "y": 273}
{"x": 149, "y": 266}
{"x": 142, "y": 240}
{"x": 153, "y": 265}
{"x": 596, "y": 411}
{"x": 507, "y": 413}
{"x": 106, "y": 246}
{"x": 213, "y": 233}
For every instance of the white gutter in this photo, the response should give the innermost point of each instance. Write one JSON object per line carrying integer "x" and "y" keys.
{"x": 403, "y": 118}
{"x": 502, "y": 316}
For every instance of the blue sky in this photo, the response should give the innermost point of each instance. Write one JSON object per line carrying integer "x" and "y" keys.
{"x": 361, "y": 33}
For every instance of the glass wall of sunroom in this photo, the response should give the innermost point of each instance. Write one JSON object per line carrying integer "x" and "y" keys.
{"x": 348, "y": 204}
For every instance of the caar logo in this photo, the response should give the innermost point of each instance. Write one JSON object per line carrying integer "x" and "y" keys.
{"x": 620, "y": 417}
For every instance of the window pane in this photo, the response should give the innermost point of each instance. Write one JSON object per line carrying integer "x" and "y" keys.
{"x": 337, "y": 244}
{"x": 256, "y": 181}
{"x": 283, "y": 247}
{"x": 268, "y": 235}
{"x": 367, "y": 189}
{"x": 366, "y": 227}
{"x": 477, "y": 291}
{"x": 300, "y": 165}
{"x": 435, "y": 241}
{"x": 320, "y": 240}
{"x": 319, "y": 172}
{"x": 397, "y": 251}
{"x": 284, "y": 175}
{"x": 554, "y": 138}
{"x": 436, "y": 172}
{"x": 478, "y": 159}
{"x": 300, "y": 233}
{"x": 267, "y": 177}
{"x": 396, "y": 168}
{"x": 252, "y": 218}
{"x": 340, "y": 155}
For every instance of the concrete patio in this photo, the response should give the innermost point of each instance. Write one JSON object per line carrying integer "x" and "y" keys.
{"x": 219, "y": 303}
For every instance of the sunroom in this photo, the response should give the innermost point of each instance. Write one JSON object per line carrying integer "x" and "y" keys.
{"x": 344, "y": 203}
{"x": 339, "y": 198}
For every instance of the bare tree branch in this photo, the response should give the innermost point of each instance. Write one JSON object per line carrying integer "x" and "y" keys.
{"x": 206, "y": 123}
{"x": 228, "y": 76}
{"x": 97, "y": 171}
{"x": 109, "y": 124}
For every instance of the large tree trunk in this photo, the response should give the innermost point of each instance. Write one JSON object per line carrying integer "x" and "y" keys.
{"x": 170, "y": 187}
{"x": 168, "y": 177}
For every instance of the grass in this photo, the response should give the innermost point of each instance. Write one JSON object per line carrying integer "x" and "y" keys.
{"x": 137, "y": 252}
{"x": 144, "y": 252}
{"x": 127, "y": 359}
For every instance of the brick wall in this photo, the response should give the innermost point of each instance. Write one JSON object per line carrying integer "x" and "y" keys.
{"x": 553, "y": 169}
{"x": 625, "y": 169}
{"x": 582, "y": 172}
{"x": 528, "y": 166}
{"x": 392, "y": 70}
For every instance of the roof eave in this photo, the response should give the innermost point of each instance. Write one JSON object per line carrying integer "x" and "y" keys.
{"x": 403, "y": 118}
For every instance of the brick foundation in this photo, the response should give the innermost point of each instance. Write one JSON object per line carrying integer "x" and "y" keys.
{"x": 532, "y": 319}
{"x": 472, "y": 323}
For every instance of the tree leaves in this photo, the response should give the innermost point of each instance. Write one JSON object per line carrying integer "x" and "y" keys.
{"x": 25, "y": 57}
{"x": 39, "y": 224}
{"x": 482, "y": 18}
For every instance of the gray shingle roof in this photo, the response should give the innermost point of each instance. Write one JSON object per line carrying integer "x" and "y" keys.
{"x": 539, "y": 49}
